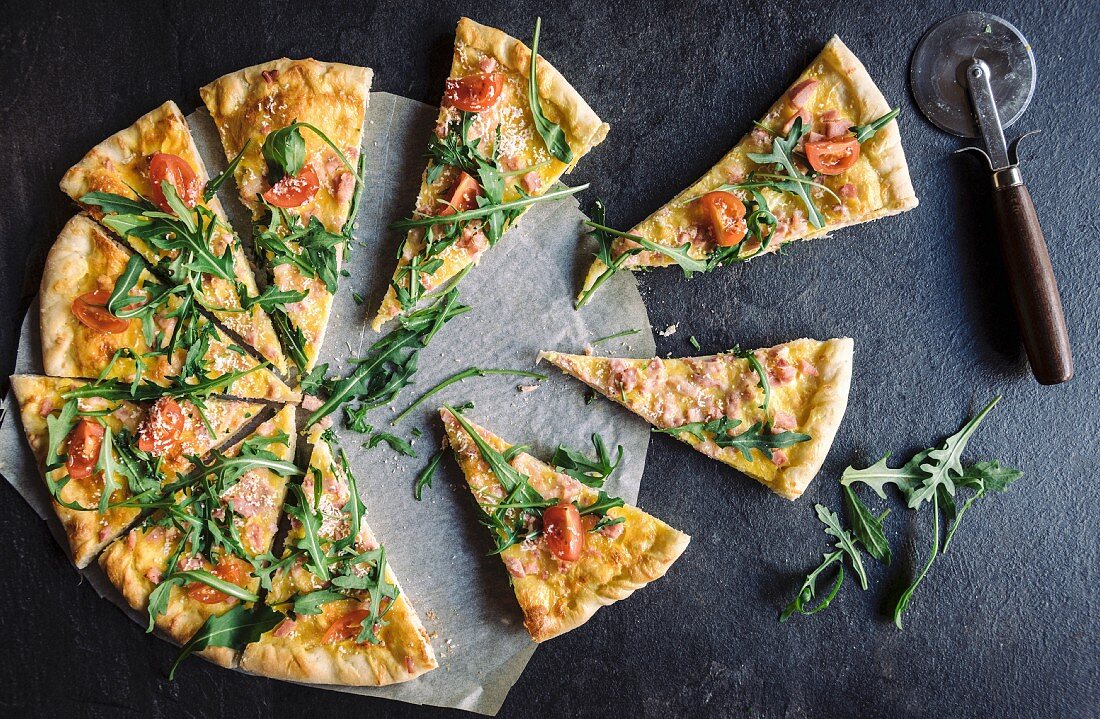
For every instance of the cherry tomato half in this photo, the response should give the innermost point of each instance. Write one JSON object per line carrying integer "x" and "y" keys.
{"x": 561, "y": 525}
{"x": 726, "y": 215}
{"x": 229, "y": 569}
{"x": 175, "y": 169}
{"x": 294, "y": 191}
{"x": 461, "y": 196}
{"x": 347, "y": 626}
{"x": 832, "y": 157}
{"x": 474, "y": 93}
{"x": 83, "y": 445}
{"x": 91, "y": 309}
{"x": 159, "y": 432}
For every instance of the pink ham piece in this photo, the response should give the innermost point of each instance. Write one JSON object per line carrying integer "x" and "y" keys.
{"x": 625, "y": 375}
{"x": 153, "y": 574}
{"x": 801, "y": 93}
{"x": 806, "y": 119}
{"x": 250, "y": 496}
{"x": 779, "y": 457}
{"x": 613, "y": 531}
{"x": 344, "y": 186}
{"x": 532, "y": 182}
{"x": 487, "y": 63}
{"x": 285, "y": 627}
{"x": 783, "y": 421}
{"x": 848, "y": 190}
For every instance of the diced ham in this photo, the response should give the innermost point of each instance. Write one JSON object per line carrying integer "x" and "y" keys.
{"x": 807, "y": 367}
{"x": 255, "y": 534}
{"x": 409, "y": 665}
{"x": 695, "y": 415}
{"x": 250, "y": 495}
{"x": 366, "y": 541}
{"x": 515, "y": 567}
{"x": 612, "y": 531}
{"x": 779, "y": 457}
{"x": 509, "y": 162}
{"x": 733, "y": 407}
{"x": 45, "y": 407}
{"x": 760, "y": 136}
{"x": 153, "y": 574}
{"x": 735, "y": 174}
{"x": 285, "y": 627}
{"x": 344, "y": 186}
{"x": 191, "y": 562}
{"x": 532, "y": 182}
{"x": 847, "y": 190}
{"x": 783, "y": 421}
{"x": 803, "y": 113}
{"x": 625, "y": 375}
{"x": 473, "y": 239}
{"x": 352, "y": 153}
{"x": 671, "y": 415}
{"x": 654, "y": 375}
{"x": 311, "y": 403}
{"x": 687, "y": 388}
{"x": 131, "y": 540}
{"x": 835, "y": 128}
{"x": 487, "y": 64}
{"x": 801, "y": 93}
{"x": 105, "y": 534}
{"x": 270, "y": 76}
{"x": 814, "y": 136}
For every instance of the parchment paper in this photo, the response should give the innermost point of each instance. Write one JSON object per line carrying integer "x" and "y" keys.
{"x": 521, "y": 297}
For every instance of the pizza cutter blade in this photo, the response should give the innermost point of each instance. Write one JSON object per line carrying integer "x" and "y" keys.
{"x": 972, "y": 75}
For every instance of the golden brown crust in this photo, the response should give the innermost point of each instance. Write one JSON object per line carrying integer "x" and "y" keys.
{"x": 85, "y": 258}
{"x": 556, "y": 598}
{"x": 814, "y": 400}
{"x": 119, "y": 165}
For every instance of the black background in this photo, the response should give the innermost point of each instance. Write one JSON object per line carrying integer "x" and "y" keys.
{"x": 1006, "y": 623}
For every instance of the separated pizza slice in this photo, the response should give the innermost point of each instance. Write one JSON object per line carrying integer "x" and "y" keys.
{"x": 826, "y": 155}
{"x": 770, "y": 413}
{"x": 346, "y": 619}
{"x": 102, "y": 455}
{"x": 570, "y": 548}
{"x": 506, "y": 133}
{"x": 297, "y": 128}
{"x": 161, "y": 337}
{"x": 200, "y": 559}
{"x": 149, "y": 185}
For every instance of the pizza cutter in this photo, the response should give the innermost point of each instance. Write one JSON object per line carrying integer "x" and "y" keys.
{"x": 972, "y": 75}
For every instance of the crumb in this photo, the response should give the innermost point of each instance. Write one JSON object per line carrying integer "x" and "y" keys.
{"x": 525, "y": 388}
{"x": 588, "y": 351}
{"x": 668, "y": 331}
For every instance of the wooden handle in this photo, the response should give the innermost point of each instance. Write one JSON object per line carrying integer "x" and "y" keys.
{"x": 1034, "y": 289}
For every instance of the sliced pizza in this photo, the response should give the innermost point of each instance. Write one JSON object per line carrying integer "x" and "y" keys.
{"x": 201, "y": 558}
{"x": 826, "y": 155}
{"x": 149, "y": 185}
{"x": 294, "y": 129}
{"x": 507, "y": 131}
{"x": 160, "y": 337}
{"x": 346, "y": 619}
{"x": 103, "y": 455}
{"x": 770, "y": 413}
{"x": 569, "y": 548}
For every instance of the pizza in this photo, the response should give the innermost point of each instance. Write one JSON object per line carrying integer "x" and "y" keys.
{"x": 120, "y": 182}
{"x": 222, "y": 524}
{"x": 568, "y": 547}
{"x": 163, "y": 339}
{"x": 826, "y": 155}
{"x": 97, "y": 451}
{"x": 294, "y": 129}
{"x": 490, "y": 149}
{"x": 770, "y": 413}
{"x": 346, "y": 620}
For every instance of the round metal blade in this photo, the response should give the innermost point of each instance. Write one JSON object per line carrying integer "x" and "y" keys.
{"x": 937, "y": 71}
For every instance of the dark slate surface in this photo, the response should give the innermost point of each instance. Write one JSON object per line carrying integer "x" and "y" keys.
{"x": 1005, "y": 624}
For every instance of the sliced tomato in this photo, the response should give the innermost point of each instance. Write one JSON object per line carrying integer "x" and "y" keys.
{"x": 461, "y": 196}
{"x": 347, "y": 626}
{"x": 294, "y": 191}
{"x": 160, "y": 431}
{"x": 91, "y": 309}
{"x": 726, "y": 215}
{"x": 474, "y": 93}
{"x": 229, "y": 569}
{"x": 832, "y": 157}
{"x": 561, "y": 525}
{"x": 82, "y": 448}
{"x": 175, "y": 169}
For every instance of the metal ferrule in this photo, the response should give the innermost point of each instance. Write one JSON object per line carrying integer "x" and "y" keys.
{"x": 1008, "y": 177}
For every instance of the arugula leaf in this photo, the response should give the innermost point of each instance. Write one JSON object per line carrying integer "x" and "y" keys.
{"x": 395, "y": 443}
{"x": 215, "y": 183}
{"x": 607, "y": 338}
{"x": 426, "y": 475}
{"x": 355, "y": 419}
{"x": 864, "y": 133}
{"x": 867, "y": 528}
{"x": 285, "y": 151}
{"x": 58, "y": 428}
{"x": 106, "y": 465}
{"x": 808, "y": 591}
{"x": 315, "y": 380}
{"x": 758, "y": 436}
{"x": 237, "y": 627}
{"x": 160, "y": 597}
{"x": 486, "y": 210}
{"x": 271, "y": 297}
{"x": 584, "y": 470}
{"x": 310, "y": 520}
{"x": 782, "y": 154}
{"x": 551, "y": 133}
{"x": 311, "y": 603}
{"x": 460, "y": 376}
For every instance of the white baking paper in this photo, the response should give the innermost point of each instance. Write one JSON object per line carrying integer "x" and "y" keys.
{"x": 521, "y": 297}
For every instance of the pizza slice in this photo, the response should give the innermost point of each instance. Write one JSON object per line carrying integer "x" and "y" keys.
{"x": 826, "y": 155}
{"x": 569, "y": 548}
{"x": 294, "y": 129}
{"x": 346, "y": 619}
{"x": 100, "y": 453}
{"x": 770, "y": 413}
{"x": 162, "y": 336}
{"x": 199, "y": 560}
{"x": 506, "y": 133}
{"x": 149, "y": 185}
